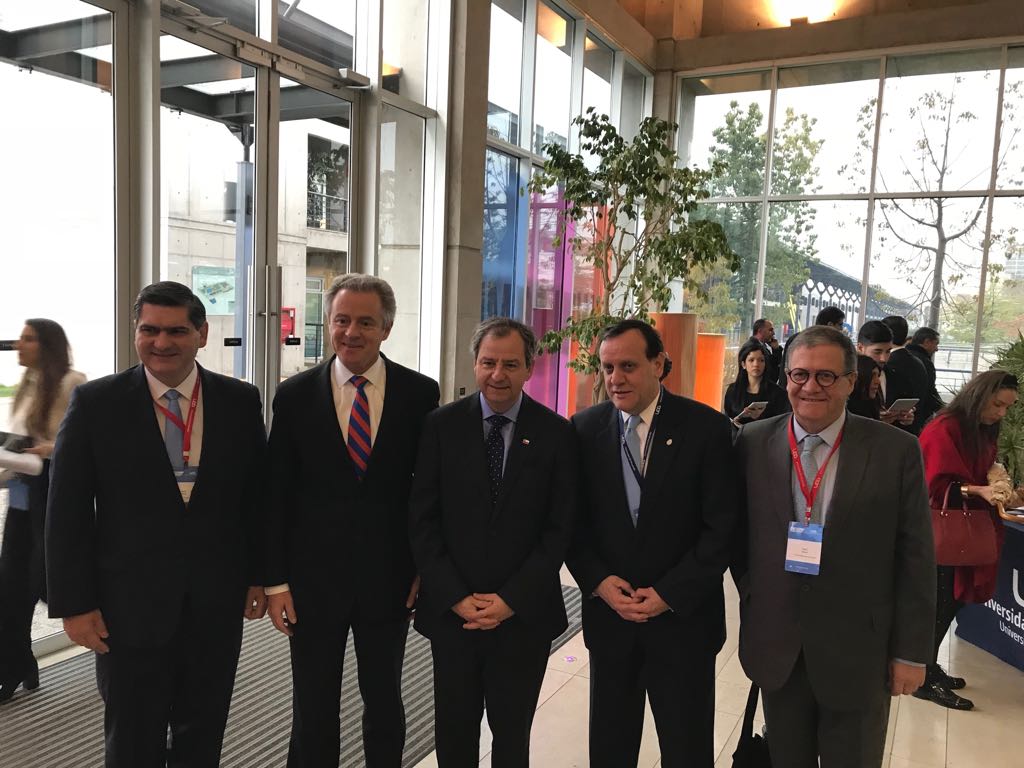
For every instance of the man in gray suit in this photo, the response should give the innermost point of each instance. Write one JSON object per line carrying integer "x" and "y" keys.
{"x": 837, "y": 584}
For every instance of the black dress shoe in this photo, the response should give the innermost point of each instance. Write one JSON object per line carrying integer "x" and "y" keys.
{"x": 28, "y": 679}
{"x": 950, "y": 682}
{"x": 943, "y": 696}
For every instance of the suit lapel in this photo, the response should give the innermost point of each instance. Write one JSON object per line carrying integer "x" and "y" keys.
{"x": 854, "y": 453}
{"x": 470, "y": 428}
{"x": 667, "y": 438}
{"x": 390, "y": 417}
{"x": 777, "y": 464}
{"x": 329, "y": 416}
{"x": 518, "y": 448}
{"x": 609, "y": 443}
{"x": 151, "y": 445}
{"x": 214, "y": 431}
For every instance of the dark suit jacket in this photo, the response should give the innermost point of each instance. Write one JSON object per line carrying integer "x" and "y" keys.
{"x": 874, "y": 599}
{"x": 515, "y": 548}
{"x": 933, "y": 403}
{"x": 681, "y": 544}
{"x": 334, "y": 538}
{"x": 118, "y": 535}
{"x": 905, "y": 376}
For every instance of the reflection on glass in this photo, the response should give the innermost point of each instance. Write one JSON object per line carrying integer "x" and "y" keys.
{"x": 404, "y": 43}
{"x": 207, "y": 177}
{"x": 548, "y": 289}
{"x": 824, "y": 128}
{"x": 1003, "y": 317}
{"x": 323, "y": 30}
{"x": 313, "y": 216}
{"x": 725, "y": 118}
{"x": 57, "y": 256}
{"x": 634, "y": 100}
{"x": 926, "y": 264}
{"x": 815, "y": 259}
{"x": 501, "y": 205}
{"x": 553, "y": 78}
{"x": 505, "y": 70}
{"x": 400, "y": 218}
{"x": 1011, "y": 139}
{"x": 597, "y": 76}
{"x": 938, "y": 122}
{"x": 237, "y": 13}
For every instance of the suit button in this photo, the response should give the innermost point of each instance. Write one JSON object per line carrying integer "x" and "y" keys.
{"x": 805, "y": 588}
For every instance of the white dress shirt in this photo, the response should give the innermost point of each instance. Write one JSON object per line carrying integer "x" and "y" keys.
{"x": 344, "y": 392}
{"x": 646, "y": 417}
{"x": 159, "y": 390}
{"x": 829, "y": 435}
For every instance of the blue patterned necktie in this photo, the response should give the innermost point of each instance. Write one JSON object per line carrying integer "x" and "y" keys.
{"x": 173, "y": 437}
{"x": 809, "y": 444}
{"x": 495, "y": 448}
{"x": 359, "y": 442}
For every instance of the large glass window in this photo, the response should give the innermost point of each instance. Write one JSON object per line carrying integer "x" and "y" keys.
{"x": 501, "y": 226}
{"x": 552, "y": 94}
{"x": 207, "y": 181}
{"x": 324, "y": 30}
{"x": 1002, "y": 318}
{"x": 312, "y": 216}
{"x": 505, "y": 70}
{"x": 57, "y": 252}
{"x": 597, "y": 76}
{"x": 634, "y": 101}
{"x": 400, "y": 226}
{"x": 404, "y": 43}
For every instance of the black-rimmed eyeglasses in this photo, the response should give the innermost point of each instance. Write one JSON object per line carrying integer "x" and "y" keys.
{"x": 825, "y": 379}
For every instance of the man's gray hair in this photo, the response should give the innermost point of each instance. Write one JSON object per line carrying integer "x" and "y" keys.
{"x": 501, "y": 327}
{"x": 823, "y": 335}
{"x": 363, "y": 284}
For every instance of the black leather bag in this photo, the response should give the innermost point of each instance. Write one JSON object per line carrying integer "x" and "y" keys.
{"x": 752, "y": 751}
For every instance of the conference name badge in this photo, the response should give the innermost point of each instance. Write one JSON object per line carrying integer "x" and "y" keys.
{"x": 803, "y": 548}
{"x": 186, "y": 479}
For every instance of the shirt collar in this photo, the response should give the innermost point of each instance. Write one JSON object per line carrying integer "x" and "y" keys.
{"x": 158, "y": 389}
{"x": 512, "y": 414}
{"x": 374, "y": 374}
{"x": 828, "y": 435}
{"x": 647, "y": 414}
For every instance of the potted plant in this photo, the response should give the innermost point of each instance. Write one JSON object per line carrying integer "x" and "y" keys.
{"x": 628, "y": 209}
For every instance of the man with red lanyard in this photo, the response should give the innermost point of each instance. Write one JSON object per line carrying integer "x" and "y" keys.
{"x": 154, "y": 535}
{"x": 835, "y": 583}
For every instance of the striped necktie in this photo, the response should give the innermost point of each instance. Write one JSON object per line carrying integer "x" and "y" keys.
{"x": 359, "y": 446}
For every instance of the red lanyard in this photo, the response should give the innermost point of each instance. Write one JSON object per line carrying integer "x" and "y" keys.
{"x": 186, "y": 427}
{"x": 810, "y": 494}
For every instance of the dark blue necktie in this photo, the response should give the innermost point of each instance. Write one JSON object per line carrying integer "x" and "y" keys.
{"x": 173, "y": 437}
{"x": 495, "y": 448}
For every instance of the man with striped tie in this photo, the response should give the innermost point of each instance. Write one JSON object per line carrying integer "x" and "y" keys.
{"x": 342, "y": 451}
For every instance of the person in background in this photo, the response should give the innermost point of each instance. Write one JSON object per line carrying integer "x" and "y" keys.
{"x": 906, "y": 376}
{"x": 923, "y": 346}
{"x": 830, "y": 316}
{"x": 764, "y": 334}
{"x": 874, "y": 339}
{"x": 865, "y": 399}
{"x": 751, "y": 386}
{"x": 959, "y": 447}
{"x": 39, "y": 405}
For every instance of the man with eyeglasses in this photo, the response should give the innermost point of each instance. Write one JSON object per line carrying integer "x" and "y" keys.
{"x": 836, "y": 602}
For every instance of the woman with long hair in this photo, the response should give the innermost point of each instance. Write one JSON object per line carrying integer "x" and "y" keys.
{"x": 959, "y": 448}
{"x": 866, "y": 398}
{"x": 39, "y": 404}
{"x": 752, "y": 386}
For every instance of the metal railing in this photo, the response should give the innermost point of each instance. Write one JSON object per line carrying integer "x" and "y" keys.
{"x": 325, "y": 211}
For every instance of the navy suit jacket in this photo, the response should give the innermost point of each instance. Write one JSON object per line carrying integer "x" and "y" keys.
{"x": 118, "y": 535}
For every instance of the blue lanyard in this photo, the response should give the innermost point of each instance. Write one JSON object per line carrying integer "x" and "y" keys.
{"x": 645, "y": 456}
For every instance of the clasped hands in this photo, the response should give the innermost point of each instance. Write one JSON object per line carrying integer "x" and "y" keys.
{"x": 482, "y": 610}
{"x": 638, "y": 605}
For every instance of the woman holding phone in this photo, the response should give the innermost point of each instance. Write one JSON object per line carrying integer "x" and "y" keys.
{"x": 39, "y": 404}
{"x": 752, "y": 396}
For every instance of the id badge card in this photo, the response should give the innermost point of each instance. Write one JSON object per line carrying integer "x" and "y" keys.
{"x": 186, "y": 479}
{"x": 803, "y": 548}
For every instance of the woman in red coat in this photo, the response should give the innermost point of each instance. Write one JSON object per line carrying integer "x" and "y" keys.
{"x": 959, "y": 448}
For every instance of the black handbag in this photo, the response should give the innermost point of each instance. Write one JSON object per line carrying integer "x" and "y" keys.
{"x": 752, "y": 750}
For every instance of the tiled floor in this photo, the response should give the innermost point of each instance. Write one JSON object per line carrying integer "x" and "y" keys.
{"x": 921, "y": 734}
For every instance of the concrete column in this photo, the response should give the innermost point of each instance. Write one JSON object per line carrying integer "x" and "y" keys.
{"x": 467, "y": 142}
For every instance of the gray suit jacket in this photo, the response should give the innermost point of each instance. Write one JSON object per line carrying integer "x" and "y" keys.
{"x": 874, "y": 599}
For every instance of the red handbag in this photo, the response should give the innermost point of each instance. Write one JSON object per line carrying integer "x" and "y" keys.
{"x": 963, "y": 536}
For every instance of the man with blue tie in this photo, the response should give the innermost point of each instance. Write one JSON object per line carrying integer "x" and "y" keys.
{"x": 657, "y": 516}
{"x": 342, "y": 450}
{"x": 492, "y": 510}
{"x": 154, "y": 536}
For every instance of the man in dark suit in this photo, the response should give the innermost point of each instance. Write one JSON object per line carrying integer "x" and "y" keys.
{"x": 837, "y": 589}
{"x": 492, "y": 510}
{"x": 154, "y": 534}
{"x": 764, "y": 334}
{"x": 923, "y": 346}
{"x": 657, "y": 513}
{"x": 906, "y": 376}
{"x": 342, "y": 450}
